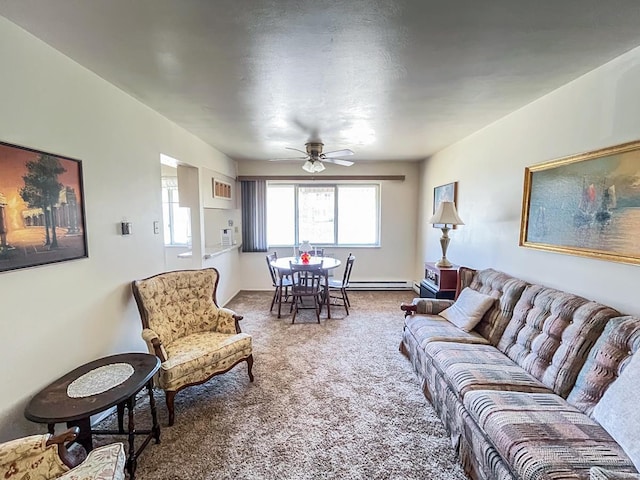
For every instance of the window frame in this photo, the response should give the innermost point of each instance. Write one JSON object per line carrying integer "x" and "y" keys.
{"x": 336, "y": 187}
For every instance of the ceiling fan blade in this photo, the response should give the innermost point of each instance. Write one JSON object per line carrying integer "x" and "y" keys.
{"x": 297, "y": 150}
{"x": 337, "y": 161}
{"x": 338, "y": 153}
{"x": 292, "y": 159}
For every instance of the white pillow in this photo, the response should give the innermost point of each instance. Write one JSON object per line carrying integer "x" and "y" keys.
{"x": 617, "y": 411}
{"x": 468, "y": 309}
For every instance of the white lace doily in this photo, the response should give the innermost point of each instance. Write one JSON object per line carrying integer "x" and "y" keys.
{"x": 99, "y": 380}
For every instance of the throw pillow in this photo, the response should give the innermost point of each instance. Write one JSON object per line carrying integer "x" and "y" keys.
{"x": 598, "y": 473}
{"x": 617, "y": 411}
{"x": 468, "y": 309}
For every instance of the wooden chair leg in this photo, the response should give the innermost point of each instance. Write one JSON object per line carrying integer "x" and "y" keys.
{"x": 250, "y": 366}
{"x": 273, "y": 300}
{"x": 170, "y": 399}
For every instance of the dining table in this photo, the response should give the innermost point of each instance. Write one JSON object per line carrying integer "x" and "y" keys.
{"x": 283, "y": 265}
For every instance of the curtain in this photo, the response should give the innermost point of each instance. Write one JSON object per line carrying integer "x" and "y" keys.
{"x": 254, "y": 215}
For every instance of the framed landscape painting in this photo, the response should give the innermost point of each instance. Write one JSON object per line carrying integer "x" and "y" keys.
{"x": 41, "y": 208}
{"x": 586, "y": 204}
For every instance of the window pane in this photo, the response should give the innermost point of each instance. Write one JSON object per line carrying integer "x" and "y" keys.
{"x": 358, "y": 214}
{"x": 280, "y": 215}
{"x": 181, "y": 224}
{"x": 316, "y": 210}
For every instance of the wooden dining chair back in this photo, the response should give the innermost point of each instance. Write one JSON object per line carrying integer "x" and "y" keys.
{"x": 307, "y": 285}
{"x": 281, "y": 286}
{"x": 317, "y": 252}
{"x": 339, "y": 287}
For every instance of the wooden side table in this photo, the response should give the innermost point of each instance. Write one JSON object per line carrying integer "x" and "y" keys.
{"x": 439, "y": 282}
{"x": 53, "y": 405}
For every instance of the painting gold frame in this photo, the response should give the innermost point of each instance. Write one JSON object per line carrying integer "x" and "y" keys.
{"x": 586, "y": 204}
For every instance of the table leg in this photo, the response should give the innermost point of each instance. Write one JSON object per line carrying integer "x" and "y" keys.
{"x": 131, "y": 460}
{"x": 51, "y": 428}
{"x": 326, "y": 293}
{"x": 84, "y": 437}
{"x": 121, "y": 417}
{"x": 154, "y": 415}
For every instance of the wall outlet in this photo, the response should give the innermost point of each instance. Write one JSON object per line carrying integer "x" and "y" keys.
{"x": 156, "y": 227}
{"x": 235, "y": 229}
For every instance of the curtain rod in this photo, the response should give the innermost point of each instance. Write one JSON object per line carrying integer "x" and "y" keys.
{"x": 320, "y": 178}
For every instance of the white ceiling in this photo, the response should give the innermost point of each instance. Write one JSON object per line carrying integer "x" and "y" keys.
{"x": 388, "y": 79}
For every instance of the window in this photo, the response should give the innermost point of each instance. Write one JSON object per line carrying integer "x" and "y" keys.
{"x": 345, "y": 214}
{"x": 177, "y": 219}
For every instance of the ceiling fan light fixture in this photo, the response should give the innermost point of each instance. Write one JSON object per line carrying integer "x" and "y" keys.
{"x": 318, "y": 166}
{"x": 308, "y": 166}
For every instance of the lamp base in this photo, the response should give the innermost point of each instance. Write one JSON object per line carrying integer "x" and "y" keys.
{"x": 444, "y": 263}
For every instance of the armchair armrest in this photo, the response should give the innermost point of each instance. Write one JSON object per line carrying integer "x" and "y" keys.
{"x": 228, "y": 321}
{"x": 36, "y": 456}
{"x": 429, "y": 306}
{"x": 154, "y": 344}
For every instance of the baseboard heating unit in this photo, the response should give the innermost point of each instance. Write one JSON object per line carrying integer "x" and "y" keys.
{"x": 381, "y": 285}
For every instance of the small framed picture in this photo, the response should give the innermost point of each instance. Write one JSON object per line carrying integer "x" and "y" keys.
{"x": 444, "y": 193}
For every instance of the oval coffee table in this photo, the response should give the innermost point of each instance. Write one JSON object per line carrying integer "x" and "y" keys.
{"x": 53, "y": 404}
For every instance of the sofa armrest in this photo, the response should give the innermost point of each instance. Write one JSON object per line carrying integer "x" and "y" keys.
{"x": 154, "y": 344}
{"x": 228, "y": 321}
{"x": 430, "y": 306}
{"x": 103, "y": 463}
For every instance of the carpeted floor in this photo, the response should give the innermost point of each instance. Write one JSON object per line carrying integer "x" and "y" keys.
{"x": 329, "y": 401}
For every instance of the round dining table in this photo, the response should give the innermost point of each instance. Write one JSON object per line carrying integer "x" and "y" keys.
{"x": 283, "y": 265}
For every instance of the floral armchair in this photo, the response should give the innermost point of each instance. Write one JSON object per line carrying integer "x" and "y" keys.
{"x": 43, "y": 457}
{"x": 183, "y": 325}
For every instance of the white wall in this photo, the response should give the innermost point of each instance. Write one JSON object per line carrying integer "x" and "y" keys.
{"x": 597, "y": 110}
{"x": 59, "y": 316}
{"x": 394, "y": 260}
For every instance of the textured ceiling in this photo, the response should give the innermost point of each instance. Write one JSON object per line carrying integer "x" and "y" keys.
{"x": 388, "y": 79}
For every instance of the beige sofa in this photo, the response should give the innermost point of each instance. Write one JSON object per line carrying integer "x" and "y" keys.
{"x": 524, "y": 394}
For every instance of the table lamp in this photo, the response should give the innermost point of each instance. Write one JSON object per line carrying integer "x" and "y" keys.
{"x": 446, "y": 217}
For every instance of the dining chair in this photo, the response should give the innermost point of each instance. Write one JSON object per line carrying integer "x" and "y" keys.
{"x": 339, "y": 287}
{"x": 280, "y": 291}
{"x": 317, "y": 252}
{"x": 307, "y": 284}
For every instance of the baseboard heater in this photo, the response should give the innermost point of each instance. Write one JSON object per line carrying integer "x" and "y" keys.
{"x": 381, "y": 285}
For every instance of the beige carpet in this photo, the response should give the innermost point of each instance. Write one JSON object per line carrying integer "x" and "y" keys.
{"x": 329, "y": 401}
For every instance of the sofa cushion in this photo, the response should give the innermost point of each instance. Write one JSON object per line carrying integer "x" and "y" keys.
{"x": 597, "y": 473}
{"x": 618, "y": 412}
{"x": 541, "y": 436}
{"x": 468, "y": 367}
{"x": 611, "y": 353}
{"x": 468, "y": 309}
{"x": 551, "y": 333}
{"x": 507, "y": 291}
{"x": 432, "y": 328}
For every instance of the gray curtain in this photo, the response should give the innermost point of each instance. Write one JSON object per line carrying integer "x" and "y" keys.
{"x": 254, "y": 215}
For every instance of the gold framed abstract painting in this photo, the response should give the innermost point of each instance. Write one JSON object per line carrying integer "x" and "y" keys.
{"x": 41, "y": 208}
{"x": 586, "y": 204}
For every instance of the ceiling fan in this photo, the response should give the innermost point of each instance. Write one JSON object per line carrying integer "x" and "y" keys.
{"x": 314, "y": 157}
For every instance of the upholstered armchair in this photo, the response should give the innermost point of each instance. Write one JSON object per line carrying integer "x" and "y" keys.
{"x": 183, "y": 325}
{"x": 43, "y": 457}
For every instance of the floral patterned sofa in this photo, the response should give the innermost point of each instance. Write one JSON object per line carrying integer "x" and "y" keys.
{"x": 43, "y": 457}
{"x": 536, "y": 389}
{"x": 183, "y": 325}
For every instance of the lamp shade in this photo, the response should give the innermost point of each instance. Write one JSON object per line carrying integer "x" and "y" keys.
{"x": 446, "y": 215}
